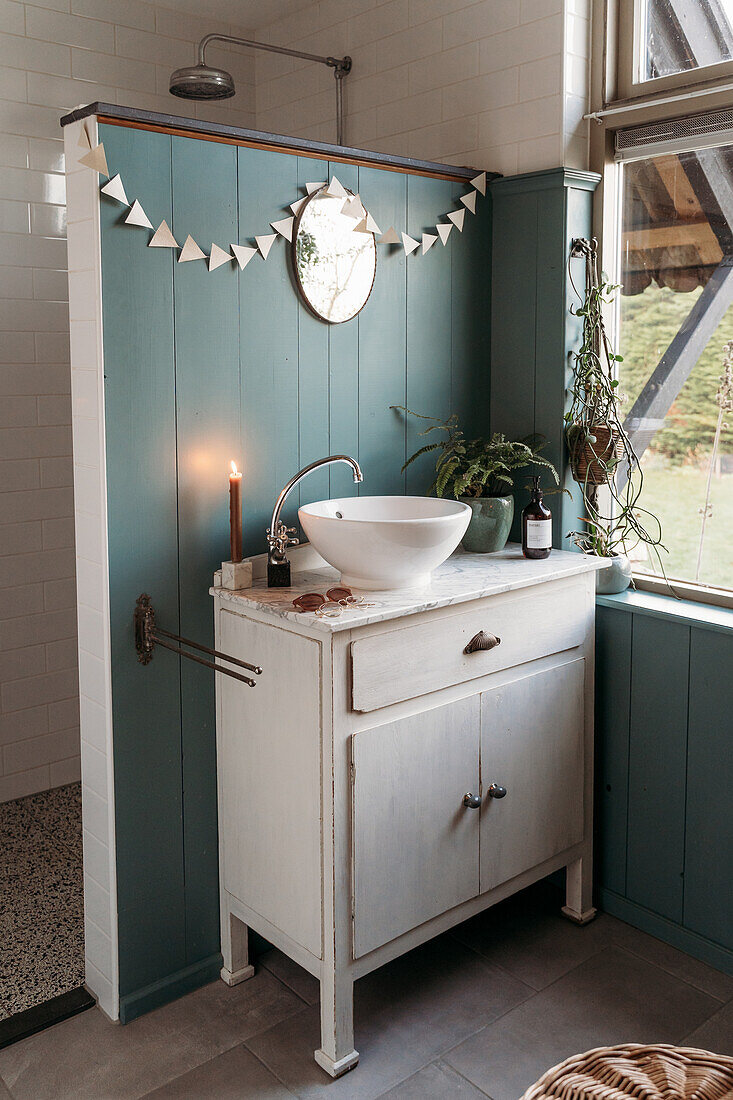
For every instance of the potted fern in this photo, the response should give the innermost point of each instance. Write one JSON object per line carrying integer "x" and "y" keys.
{"x": 479, "y": 472}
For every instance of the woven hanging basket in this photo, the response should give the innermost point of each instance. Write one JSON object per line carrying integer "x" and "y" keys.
{"x": 591, "y": 457}
{"x": 642, "y": 1072}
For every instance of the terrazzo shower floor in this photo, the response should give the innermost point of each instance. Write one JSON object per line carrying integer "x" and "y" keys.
{"x": 41, "y": 898}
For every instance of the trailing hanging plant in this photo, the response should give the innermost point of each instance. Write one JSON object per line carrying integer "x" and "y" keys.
{"x": 476, "y": 467}
{"x": 601, "y": 453}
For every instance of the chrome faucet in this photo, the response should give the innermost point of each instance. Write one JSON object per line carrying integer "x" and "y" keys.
{"x": 279, "y": 537}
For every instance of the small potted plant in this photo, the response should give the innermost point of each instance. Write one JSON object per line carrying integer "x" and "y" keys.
{"x": 479, "y": 472}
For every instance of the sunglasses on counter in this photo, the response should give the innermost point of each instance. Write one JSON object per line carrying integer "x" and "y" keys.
{"x": 337, "y": 600}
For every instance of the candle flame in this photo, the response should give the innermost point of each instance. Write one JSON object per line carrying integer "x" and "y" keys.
{"x": 235, "y": 471}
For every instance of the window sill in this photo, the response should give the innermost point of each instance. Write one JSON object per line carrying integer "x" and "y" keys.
{"x": 667, "y": 607}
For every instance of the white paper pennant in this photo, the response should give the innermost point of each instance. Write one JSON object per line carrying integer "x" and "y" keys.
{"x": 337, "y": 189}
{"x": 457, "y": 216}
{"x": 409, "y": 244}
{"x": 218, "y": 257}
{"x": 469, "y": 201}
{"x": 84, "y": 142}
{"x": 428, "y": 240}
{"x": 163, "y": 238}
{"x": 243, "y": 254}
{"x": 284, "y": 228}
{"x": 479, "y": 182}
{"x": 265, "y": 244}
{"x": 137, "y": 216}
{"x": 96, "y": 159}
{"x": 312, "y": 187}
{"x": 191, "y": 251}
{"x": 354, "y": 208}
{"x": 390, "y": 237}
{"x": 362, "y": 227}
{"x": 295, "y": 206}
{"x": 372, "y": 225}
{"x": 115, "y": 189}
{"x": 444, "y": 231}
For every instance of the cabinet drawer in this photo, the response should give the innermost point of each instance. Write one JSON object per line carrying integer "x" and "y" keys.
{"x": 415, "y": 660}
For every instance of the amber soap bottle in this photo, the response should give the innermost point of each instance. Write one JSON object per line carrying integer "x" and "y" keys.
{"x": 536, "y": 526}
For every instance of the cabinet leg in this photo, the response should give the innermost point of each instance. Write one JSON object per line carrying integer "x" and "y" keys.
{"x": 337, "y": 1054}
{"x": 578, "y": 905}
{"x": 235, "y": 950}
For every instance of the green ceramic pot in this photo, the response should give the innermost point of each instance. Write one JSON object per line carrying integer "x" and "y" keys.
{"x": 490, "y": 524}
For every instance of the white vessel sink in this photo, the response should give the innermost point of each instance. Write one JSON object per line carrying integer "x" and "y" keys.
{"x": 381, "y": 543}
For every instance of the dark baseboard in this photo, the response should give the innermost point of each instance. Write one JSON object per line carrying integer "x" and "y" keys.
{"x": 31, "y": 1020}
{"x": 167, "y": 989}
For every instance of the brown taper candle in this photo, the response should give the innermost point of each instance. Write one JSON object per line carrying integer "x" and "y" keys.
{"x": 235, "y": 513}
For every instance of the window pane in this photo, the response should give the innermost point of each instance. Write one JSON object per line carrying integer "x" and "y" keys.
{"x": 676, "y": 312}
{"x": 677, "y": 35}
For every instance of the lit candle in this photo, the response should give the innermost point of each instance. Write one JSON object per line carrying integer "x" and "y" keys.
{"x": 235, "y": 513}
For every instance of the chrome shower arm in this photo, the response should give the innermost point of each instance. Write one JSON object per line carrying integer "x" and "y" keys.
{"x": 341, "y": 66}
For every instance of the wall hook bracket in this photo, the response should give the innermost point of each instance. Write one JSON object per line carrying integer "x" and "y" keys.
{"x": 148, "y": 634}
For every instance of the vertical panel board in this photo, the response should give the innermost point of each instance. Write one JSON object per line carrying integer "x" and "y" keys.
{"x": 207, "y": 385}
{"x": 312, "y": 371}
{"x": 143, "y": 554}
{"x": 708, "y": 907}
{"x": 268, "y": 338}
{"x": 572, "y": 506}
{"x": 429, "y": 350}
{"x": 382, "y": 342}
{"x": 343, "y": 373}
{"x": 657, "y": 765}
{"x": 470, "y": 254}
{"x": 613, "y": 692}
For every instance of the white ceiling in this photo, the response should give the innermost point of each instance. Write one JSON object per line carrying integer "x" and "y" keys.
{"x": 244, "y": 14}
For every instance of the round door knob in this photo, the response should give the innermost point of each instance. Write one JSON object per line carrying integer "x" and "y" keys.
{"x": 471, "y": 801}
{"x": 497, "y": 791}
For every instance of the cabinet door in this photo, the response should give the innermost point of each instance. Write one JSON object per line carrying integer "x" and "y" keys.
{"x": 531, "y": 744}
{"x": 416, "y": 845}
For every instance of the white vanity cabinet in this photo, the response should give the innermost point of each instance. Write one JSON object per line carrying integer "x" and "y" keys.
{"x": 380, "y": 784}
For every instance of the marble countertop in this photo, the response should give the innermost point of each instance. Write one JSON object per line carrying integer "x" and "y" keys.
{"x": 461, "y": 578}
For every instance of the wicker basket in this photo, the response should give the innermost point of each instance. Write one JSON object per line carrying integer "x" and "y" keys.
{"x": 589, "y": 459}
{"x": 643, "y": 1072}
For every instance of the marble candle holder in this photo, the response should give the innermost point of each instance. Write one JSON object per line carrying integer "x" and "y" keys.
{"x": 236, "y": 575}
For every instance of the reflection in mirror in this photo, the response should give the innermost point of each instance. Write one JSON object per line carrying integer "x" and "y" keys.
{"x": 334, "y": 264}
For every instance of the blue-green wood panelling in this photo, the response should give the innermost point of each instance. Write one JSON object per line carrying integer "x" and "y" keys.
{"x": 613, "y": 695}
{"x": 207, "y": 367}
{"x": 709, "y": 837}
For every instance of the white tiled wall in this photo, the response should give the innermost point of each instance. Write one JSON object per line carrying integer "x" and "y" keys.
{"x": 499, "y": 84}
{"x": 55, "y": 54}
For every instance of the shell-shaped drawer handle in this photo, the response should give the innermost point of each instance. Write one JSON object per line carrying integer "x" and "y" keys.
{"x": 482, "y": 640}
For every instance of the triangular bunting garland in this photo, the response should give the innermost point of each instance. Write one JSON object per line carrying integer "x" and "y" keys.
{"x": 163, "y": 238}
{"x": 312, "y": 187}
{"x": 115, "y": 189}
{"x": 409, "y": 244}
{"x": 218, "y": 257}
{"x": 479, "y": 182}
{"x": 362, "y": 227}
{"x": 284, "y": 228}
{"x": 137, "y": 216}
{"x": 265, "y": 244}
{"x": 191, "y": 251}
{"x": 295, "y": 206}
{"x": 444, "y": 231}
{"x": 457, "y": 216}
{"x": 243, "y": 254}
{"x": 390, "y": 237}
{"x": 353, "y": 208}
{"x": 337, "y": 189}
{"x": 469, "y": 201}
{"x": 84, "y": 142}
{"x": 428, "y": 240}
{"x": 96, "y": 159}
{"x": 372, "y": 225}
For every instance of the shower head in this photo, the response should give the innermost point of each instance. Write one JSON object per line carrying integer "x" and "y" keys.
{"x": 201, "y": 82}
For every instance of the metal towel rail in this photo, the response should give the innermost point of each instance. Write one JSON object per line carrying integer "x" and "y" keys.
{"x": 148, "y": 634}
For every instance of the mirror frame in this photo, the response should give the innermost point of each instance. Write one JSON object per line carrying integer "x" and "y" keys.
{"x": 294, "y": 260}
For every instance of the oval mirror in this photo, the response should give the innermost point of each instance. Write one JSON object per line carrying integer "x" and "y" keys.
{"x": 334, "y": 263}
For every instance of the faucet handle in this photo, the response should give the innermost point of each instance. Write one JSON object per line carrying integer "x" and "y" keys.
{"x": 293, "y": 542}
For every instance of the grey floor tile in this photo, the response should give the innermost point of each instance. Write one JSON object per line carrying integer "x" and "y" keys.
{"x": 613, "y": 997}
{"x": 529, "y": 937}
{"x": 90, "y": 1058}
{"x": 715, "y": 1034}
{"x": 295, "y": 977}
{"x": 406, "y": 1015}
{"x": 436, "y": 1082}
{"x": 697, "y": 973}
{"x": 5, "y": 1093}
{"x": 234, "y": 1075}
